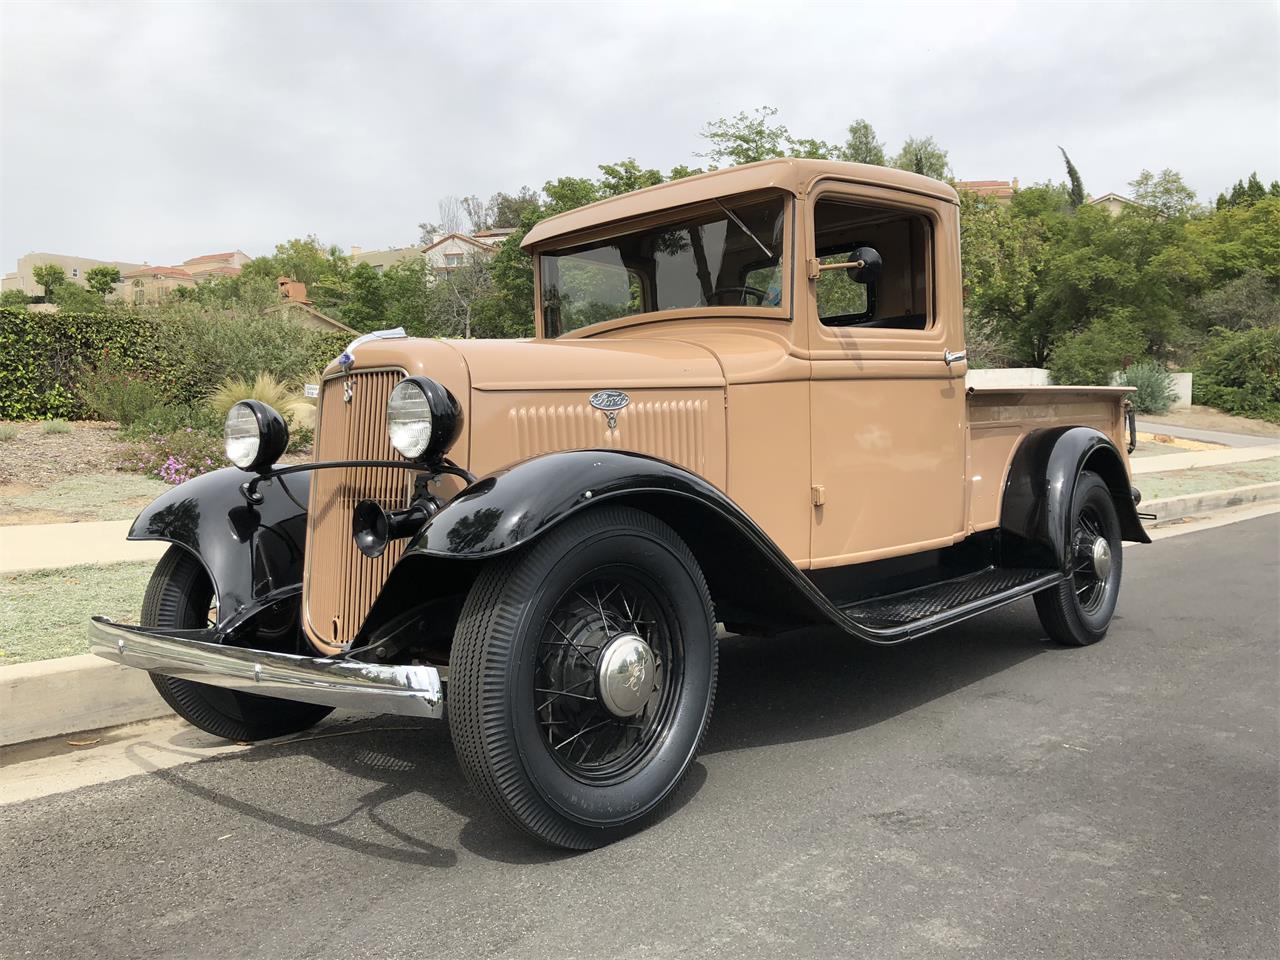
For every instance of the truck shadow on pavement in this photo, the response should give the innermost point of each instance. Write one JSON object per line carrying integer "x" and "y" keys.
{"x": 377, "y": 787}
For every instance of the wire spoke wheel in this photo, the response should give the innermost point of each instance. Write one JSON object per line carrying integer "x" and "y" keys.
{"x": 1078, "y": 610}
{"x": 1092, "y": 560}
{"x": 607, "y": 669}
{"x": 582, "y": 677}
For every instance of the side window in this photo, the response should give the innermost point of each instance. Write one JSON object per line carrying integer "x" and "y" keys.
{"x": 897, "y": 296}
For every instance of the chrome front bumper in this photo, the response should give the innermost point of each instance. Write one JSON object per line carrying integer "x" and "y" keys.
{"x": 406, "y": 691}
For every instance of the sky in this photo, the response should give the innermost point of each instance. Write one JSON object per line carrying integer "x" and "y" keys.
{"x": 157, "y": 132}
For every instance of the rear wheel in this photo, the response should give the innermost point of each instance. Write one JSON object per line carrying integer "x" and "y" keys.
{"x": 582, "y": 677}
{"x": 1078, "y": 611}
{"x": 180, "y": 596}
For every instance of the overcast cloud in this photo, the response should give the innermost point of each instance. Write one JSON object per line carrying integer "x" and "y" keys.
{"x": 160, "y": 132}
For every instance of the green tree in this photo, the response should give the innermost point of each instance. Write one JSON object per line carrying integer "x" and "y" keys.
{"x": 1004, "y": 254}
{"x": 1254, "y": 190}
{"x": 923, "y": 155}
{"x": 508, "y": 208}
{"x": 624, "y": 177}
{"x": 365, "y": 308}
{"x": 49, "y": 276}
{"x": 1075, "y": 194}
{"x": 810, "y": 149}
{"x": 1041, "y": 201}
{"x": 745, "y": 138}
{"x": 1247, "y": 301}
{"x": 1233, "y": 241}
{"x": 73, "y": 298}
{"x": 862, "y": 145}
{"x": 101, "y": 279}
{"x": 407, "y": 291}
{"x": 14, "y": 298}
{"x": 1166, "y": 194}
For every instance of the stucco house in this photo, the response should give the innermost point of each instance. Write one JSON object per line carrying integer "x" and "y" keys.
{"x": 445, "y": 252}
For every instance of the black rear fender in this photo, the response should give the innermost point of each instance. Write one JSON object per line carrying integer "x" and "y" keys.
{"x": 1035, "y": 513}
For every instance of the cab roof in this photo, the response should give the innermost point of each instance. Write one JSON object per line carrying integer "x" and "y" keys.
{"x": 794, "y": 175}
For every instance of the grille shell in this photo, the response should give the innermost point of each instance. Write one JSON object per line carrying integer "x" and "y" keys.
{"x": 340, "y": 584}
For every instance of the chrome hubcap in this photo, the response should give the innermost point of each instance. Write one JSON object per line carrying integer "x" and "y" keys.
{"x": 625, "y": 675}
{"x": 1101, "y": 556}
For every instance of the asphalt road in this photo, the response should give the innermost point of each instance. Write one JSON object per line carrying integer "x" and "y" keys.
{"x": 975, "y": 794}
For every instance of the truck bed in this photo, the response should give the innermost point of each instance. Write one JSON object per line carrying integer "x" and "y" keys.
{"x": 999, "y": 417}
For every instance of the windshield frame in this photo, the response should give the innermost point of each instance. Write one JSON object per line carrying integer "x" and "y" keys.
{"x": 784, "y": 311}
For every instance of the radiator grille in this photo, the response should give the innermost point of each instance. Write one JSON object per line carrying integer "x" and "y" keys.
{"x": 674, "y": 430}
{"x": 341, "y": 583}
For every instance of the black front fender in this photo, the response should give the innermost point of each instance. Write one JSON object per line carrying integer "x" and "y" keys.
{"x": 253, "y": 554}
{"x": 751, "y": 579}
{"x": 1035, "y": 514}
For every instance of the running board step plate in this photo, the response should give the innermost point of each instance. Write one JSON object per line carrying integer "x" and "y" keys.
{"x": 963, "y": 596}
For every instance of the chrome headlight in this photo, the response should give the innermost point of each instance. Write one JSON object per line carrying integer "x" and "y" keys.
{"x": 423, "y": 419}
{"x": 255, "y": 435}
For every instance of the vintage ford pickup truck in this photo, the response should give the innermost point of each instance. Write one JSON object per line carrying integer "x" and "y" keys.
{"x": 745, "y": 404}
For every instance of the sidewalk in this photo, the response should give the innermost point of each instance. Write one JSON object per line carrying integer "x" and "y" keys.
{"x": 1194, "y": 459}
{"x": 1204, "y": 436}
{"x": 45, "y": 545}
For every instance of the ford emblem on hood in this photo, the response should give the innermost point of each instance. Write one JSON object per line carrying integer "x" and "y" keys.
{"x": 609, "y": 400}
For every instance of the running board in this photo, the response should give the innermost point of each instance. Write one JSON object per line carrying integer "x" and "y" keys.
{"x": 911, "y": 613}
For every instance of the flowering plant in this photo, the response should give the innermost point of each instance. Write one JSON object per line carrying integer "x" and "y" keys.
{"x": 175, "y": 457}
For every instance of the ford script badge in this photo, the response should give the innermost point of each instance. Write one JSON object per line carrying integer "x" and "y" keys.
{"x": 610, "y": 402}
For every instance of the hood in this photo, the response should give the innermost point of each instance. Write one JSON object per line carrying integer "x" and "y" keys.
{"x": 587, "y": 364}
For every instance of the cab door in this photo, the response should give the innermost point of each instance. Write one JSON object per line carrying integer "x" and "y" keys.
{"x": 887, "y": 398}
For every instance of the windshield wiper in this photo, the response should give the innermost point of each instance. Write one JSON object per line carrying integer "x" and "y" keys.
{"x": 743, "y": 227}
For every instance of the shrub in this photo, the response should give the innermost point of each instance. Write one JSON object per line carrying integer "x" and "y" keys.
{"x": 7, "y": 432}
{"x": 264, "y": 388}
{"x": 57, "y": 426}
{"x": 206, "y": 347}
{"x": 1240, "y": 373}
{"x": 116, "y": 395}
{"x": 169, "y": 418}
{"x": 175, "y": 457}
{"x": 1090, "y": 357}
{"x": 1154, "y": 386}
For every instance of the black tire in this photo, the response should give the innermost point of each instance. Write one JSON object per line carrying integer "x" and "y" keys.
{"x": 520, "y": 754}
{"x": 179, "y": 596}
{"x": 1078, "y": 611}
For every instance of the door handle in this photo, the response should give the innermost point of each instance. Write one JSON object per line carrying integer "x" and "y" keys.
{"x": 949, "y": 358}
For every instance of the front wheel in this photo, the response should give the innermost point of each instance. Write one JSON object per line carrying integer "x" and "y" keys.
{"x": 180, "y": 595}
{"x": 1078, "y": 611}
{"x": 582, "y": 676}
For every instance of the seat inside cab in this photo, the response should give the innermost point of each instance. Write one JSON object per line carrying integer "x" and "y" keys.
{"x": 899, "y": 297}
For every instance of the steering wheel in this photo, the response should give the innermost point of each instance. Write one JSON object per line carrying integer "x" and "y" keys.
{"x": 743, "y": 293}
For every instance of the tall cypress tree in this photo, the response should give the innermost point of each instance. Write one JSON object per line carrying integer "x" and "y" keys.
{"x": 1076, "y": 194}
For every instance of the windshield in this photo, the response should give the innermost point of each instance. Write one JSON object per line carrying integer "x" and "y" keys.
{"x": 730, "y": 255}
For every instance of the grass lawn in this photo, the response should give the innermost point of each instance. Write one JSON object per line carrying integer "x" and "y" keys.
{"x": 91, "y": 496}
{"x": 1178, "y": 483}
{"x": 43, "y": 613}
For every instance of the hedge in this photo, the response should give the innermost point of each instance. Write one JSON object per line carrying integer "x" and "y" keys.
{"x": 43, "y": 353}
{"x": 182, "y": 355}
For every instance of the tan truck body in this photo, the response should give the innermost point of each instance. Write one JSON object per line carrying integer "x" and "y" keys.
{"x": 845, "y": 444}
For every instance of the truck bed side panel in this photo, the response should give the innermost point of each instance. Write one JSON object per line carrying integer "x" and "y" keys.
{"x": 1000, "y": 418}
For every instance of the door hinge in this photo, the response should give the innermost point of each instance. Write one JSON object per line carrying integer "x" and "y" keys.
{"x": 819, "y": 494}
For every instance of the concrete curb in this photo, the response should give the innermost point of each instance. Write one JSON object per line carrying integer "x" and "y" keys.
{"x": 1195, "y": 504}
{"x": 50, "y": 698}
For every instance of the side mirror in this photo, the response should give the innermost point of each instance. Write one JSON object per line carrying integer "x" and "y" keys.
{"x": 871, "y": 267}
